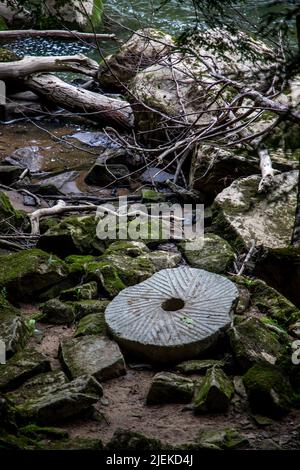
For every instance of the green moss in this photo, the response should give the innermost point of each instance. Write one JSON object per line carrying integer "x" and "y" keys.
{"x": 269, "y": 390}
{"x": 93, "y": 324}
{"x": 3, "y": 26}
{"x": 35, "y": 432}
{"x": 6, "y": 55}
{"x": 10, "y": 216}
{"x": 215, "y": 392}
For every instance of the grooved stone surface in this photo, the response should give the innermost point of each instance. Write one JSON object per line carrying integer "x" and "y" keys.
{"x": 140, "y": 323}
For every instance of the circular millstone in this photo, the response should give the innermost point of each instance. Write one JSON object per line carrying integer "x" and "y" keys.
{"x": 174, "y": 315}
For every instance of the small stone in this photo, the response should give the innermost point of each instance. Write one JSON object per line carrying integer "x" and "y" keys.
{"x": 93, "y": 355}
{"x": 262, "y": 421}
{"x": 27, "y": 157}
{"x": 215, "y": 393}
{"x": 9, "y": 174}
{"x": 93, "y": 324}
{"x": 127, "y": 440}
{"x": 87, "y": 291}
{"x": 88, "y": 307}
{"x": 58, "y": 313}
{"x": 21, "y": 367}
{"x": 198, "y": 366}
{"x": 167, "y": 387}
{"x": 164, "y": 259}
{"x": 221, "y": 439}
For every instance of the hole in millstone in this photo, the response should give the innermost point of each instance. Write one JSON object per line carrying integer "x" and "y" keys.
{"x": 171, "y": 305}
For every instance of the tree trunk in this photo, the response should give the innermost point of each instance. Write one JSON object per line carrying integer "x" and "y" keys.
{"x": 99, "y": 108}
{"x": 19, "y": 69}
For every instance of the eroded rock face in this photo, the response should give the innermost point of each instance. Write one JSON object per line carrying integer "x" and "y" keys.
{"x": 92, "y": 355}
{"x": 167, "y": 387}
{"x": 172, "y": 316}
{"x": 49, "y": 397}
{"x": 143, "y": 49}
{"x": 242, "y": 214}
{"x": 29, "y": 272}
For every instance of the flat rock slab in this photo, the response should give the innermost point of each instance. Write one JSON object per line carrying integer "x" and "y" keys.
{"x": 21, "y": 367}
{"x": 92, "y": 355}
{"x": 50, "y": 398}
{"x": 172, "y": 316}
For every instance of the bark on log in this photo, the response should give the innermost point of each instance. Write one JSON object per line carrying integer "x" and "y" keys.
{"x": 54, "y": 33}
{"x": 19, "y": 69}
{"x": 93, "y": 106}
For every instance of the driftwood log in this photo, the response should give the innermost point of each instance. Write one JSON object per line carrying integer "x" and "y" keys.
{"x": 93, "y": 106}
{"x": 54, "y": 33}
{"x": 21, "y": 68}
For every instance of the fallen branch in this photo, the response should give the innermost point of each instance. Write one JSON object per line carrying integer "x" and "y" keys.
{"x": 20, "y": 69}
{"x": 55, "y": 33}
{"x": 91, "y": 105}
{"x": 267, "y": 171}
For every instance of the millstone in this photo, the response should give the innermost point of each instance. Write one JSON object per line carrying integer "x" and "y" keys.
{"x": 174, "y": 315}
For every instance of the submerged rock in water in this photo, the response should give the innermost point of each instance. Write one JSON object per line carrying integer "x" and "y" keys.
{"x": 172, "y": 316}
{"x": 167, "y": 387}
{"x": 92, "y": 355}
{"x": 243, "y": 215}
{"x": 102, "y": 174}
{"x": 27, "y": 157}
{"x": 93, "y": 139}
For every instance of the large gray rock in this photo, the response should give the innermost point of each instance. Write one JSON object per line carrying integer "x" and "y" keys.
{"x": 172, "y": 316}
{"x": 92, "y": 355}
{"x": 242, "y": 214}
{"x": 144, "y": 48}
{"x": 167, "y": 387}
{"x": 213, "y": 253}
{"x": 21, "y": 367}
{"x": 49, "y": 397}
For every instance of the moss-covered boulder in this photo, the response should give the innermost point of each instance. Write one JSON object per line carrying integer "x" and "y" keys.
{"x": 222, "y": 439}
{"x": 93, "y": 324}
{"x": 127, "y": 440}
{"x": 86, "y": 291}
{"x": 269, "y": 390}
{"x": 167, "y": 387}
{"x": 14, "y": 331}
{"x": 93, "y": 355}
{"x": 6, "y": 55}
{"x": 50, "y": 398}
{"x": 214, "y": 393}
{"x": 162, "y": 259}
{"x": 199, "y": 366}
{"x": 28, "y": 273}
{"x": 57, "y": 312}
{"x": 253, "y": 342}
{"x": 144, "y": 48}
{"x": 242, "y": 215}
{"x": 212, "y": 254}
{"x": 9, "y": 216}
{"x": 114, "y": 272}
{"x": 21, "y": 367}
{"x": 269, "y": 301}
{"x": 83, "y": 308}
{"x": 73, "y": 235}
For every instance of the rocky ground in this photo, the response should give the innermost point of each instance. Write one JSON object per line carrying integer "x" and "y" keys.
{"x": 71, "y": 380}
